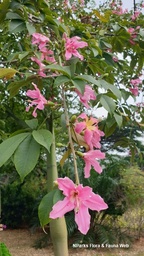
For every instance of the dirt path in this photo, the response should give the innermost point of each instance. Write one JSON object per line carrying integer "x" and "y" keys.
{"x": 20, "y": 243}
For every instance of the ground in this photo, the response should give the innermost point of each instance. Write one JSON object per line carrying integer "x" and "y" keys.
{"x": 20, "y": 243}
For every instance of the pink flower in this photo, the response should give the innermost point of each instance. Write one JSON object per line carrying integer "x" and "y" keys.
{"x": 90, "y": 159}
{"x": 131, "y": 30}
{"x": 48, "y": 55}
{"x": 135, "y": 15}
{"x": 2, "y": 227}
{"x": 71, "y": 46}
{"x": 38, "y": 100}
{"x": 119, "y": 11}
{"x": 136, "y": 81}
{"x": 115, "y": 59}
{"x": 80, "y": 199}
{"x": 89, "y": 127}
{"x": 40, "y": 40}
{"x": 88, "y": 95}
{"x": 133, "y": 34}
{"x": 135, "y": 91}
{"x": 41, "y": 66}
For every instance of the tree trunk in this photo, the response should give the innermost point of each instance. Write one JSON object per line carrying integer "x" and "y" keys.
{"x": 58, "y": 229}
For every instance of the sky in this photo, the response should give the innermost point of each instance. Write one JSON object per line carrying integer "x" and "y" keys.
{"x": 126, "y": 3}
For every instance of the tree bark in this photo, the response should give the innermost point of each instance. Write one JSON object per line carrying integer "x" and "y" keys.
{"x": 58, "y": 229}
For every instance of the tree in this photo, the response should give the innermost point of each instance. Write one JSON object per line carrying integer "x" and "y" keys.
{"x": 64, "y": 54}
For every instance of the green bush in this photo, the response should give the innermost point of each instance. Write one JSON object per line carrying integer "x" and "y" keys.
{"x": 20, "y": 202}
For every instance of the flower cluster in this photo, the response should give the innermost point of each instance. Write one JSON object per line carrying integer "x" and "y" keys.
{"x": 45, "y": 54}
{"x": 88, "y": 128}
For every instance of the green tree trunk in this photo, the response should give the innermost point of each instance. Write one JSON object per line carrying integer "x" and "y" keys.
{"x": 58, "y": 229}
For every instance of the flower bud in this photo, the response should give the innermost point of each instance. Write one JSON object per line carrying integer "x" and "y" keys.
{"x": 73, "y": 119}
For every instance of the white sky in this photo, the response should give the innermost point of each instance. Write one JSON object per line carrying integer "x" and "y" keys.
{"x": 126, "y": 3}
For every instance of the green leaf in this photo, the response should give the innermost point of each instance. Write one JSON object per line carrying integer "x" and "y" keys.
{"x": 33, "y": 123}
{"x": 7, "y": 72}
{"x": 123, "y": 142}
{"x": 108, "y": 103}
{"x": 111, "y": 87}
{"x": 45, "y": 208}
{"x": 31, "y": 29}
{"x": 79, "y": 84}
{"x": 14, "y": 87}
{"x": 65, "y": 70}
{"x": 65, "y": 156}
{"x": 4, "y": 250}
{"x": 26, "y": 156}
{"x": 16, "y": 26}
{"x": 43, "y": 137}
{"x": 118, "y": 119}
{"x": 58, "y": 196}
{"x": 8, "y": 146}
{"x": 22, "y": 55}
{"x": 61, "y": 80}
{"x": 13, "y": 16}
{"x": 109, "y": 131}
{"x": 3, "y": 9}
{"x": 46, "y": 205}
{"x": 89, "y": 79}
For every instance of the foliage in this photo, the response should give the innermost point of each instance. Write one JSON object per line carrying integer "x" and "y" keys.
{"x": 20, "y": 202}
{"x": 3, "y": 250}
{"x": 132, "y": 179}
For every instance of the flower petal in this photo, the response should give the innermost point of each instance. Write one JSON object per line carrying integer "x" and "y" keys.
{"x": 88, "y": 136}
{"x": 87, "y": 169}
{"x": 82, "y": 218}
{"x": 80, "y": 126}
{"x": 95, "y": 202}
{"x": 60, "y": 208}
{"x": 66, "y": 185}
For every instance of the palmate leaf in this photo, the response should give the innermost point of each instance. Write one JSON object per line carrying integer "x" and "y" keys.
{"x": 46, "y": 205}
{"x": 8, "y": 147}
{"x": 79, "y": 84}
{"x": 89, "y": 79}
{"x": 33, "y": 123}
{"x": 43, "y": 137}
{"x": 65, "y": 70}
{"x": 26, "y": 156}
{"x": 111, "y": 87}
{"x": 16, "y": 26}
{"x": 108, "y": 103}
{"x": 61, "y": 80}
